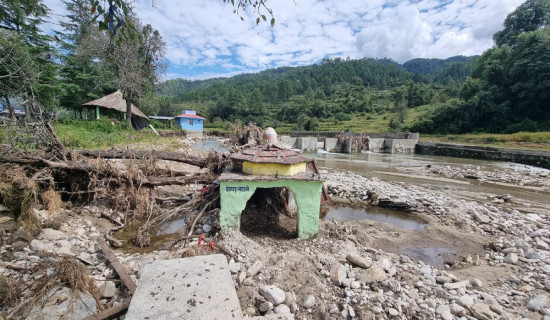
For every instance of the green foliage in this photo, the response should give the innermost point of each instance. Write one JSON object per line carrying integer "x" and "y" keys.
{"x": 509, "y": 90}
{"x": 530, "y": 16}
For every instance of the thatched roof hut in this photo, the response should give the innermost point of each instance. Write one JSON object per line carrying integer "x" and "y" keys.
{"x": 115, "y": 101}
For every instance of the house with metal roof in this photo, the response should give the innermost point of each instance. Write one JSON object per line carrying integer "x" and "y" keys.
{"x": 189, "y": 121}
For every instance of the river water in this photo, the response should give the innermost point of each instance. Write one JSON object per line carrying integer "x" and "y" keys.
{"x": 393, "y": 167}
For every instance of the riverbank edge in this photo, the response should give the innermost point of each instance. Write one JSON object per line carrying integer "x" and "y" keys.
{"x": 529, "y": 157}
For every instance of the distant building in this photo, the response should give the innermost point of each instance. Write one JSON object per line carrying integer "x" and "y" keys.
{"x": 189, "y": 121}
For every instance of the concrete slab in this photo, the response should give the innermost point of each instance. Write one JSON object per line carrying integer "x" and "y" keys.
{"x": 190, "y": 288}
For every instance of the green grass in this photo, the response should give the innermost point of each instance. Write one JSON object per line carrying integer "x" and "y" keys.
{"x": 520, "y": 140}
{"x": 102, "y": 134}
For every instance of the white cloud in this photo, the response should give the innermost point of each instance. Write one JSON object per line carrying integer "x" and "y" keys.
{"x": 207, "y": 34}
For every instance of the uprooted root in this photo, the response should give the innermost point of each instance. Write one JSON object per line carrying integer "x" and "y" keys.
{"x": 15, "y": 187}
{"x": 51, "y": 200}
{"x": 10, "y": 290}
{"x": 67, "y": 272}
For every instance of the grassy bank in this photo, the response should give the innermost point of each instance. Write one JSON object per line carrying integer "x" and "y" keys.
{"x": 103, "y": 134}
{"x": 520, "y": 140}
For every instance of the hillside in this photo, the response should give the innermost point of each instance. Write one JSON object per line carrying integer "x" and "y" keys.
{"x": 326, "y": 95}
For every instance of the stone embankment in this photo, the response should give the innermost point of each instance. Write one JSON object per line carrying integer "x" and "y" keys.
{"x": 350, "y": 270}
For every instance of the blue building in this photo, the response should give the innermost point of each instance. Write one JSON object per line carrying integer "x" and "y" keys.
{"x": 189, "y": 121}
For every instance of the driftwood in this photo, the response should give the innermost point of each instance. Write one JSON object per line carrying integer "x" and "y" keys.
{"x": 119, "y": 268}
{"x": 200, "y": 161}
{"x": 111, "y": 313}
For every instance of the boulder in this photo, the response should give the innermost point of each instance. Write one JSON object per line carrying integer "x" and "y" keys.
{"x": 272, "y": 294}
{"x": 255, "y": 268}
{"x": 338, "y": 274}
{"x": 482, "y": 311}
{"x": 37, "y": 245}
{"x": 51, "y": 234}
{"x": 359, "y": 261}
{"x": 537, "y": 303}
{"x": 372, "y": 275}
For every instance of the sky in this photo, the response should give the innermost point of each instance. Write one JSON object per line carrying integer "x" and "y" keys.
{"x": 205, "y": 39}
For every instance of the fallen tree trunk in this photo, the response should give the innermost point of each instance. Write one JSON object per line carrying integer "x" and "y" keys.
{"x": 200, "y": 161}
{"x": 76, "y": 166}
{"x": 164, "y": 181}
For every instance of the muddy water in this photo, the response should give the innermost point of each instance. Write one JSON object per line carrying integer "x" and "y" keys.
{"x": 431, "y": 256}
{"x": 379, "y": 214}
{"x": 392, "y": 167}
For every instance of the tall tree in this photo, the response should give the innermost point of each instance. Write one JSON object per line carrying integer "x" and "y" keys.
{"x": 529, "y": 16}
{"x": 137, "y": 61}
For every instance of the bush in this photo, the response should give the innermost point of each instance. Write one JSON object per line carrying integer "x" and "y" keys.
{"x": 523, "y": 125}
{"x": 340, "y": 116}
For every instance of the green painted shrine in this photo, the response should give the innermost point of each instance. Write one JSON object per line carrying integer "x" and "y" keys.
{"x": 271, "y": 166}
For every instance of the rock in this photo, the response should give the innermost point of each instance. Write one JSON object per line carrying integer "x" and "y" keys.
{"x": 444, "y": 312}
{"x": 443, "y": 279}
{"x": 372, "y": 275}
{"x": 392, "y": 312}
{"x": 289, "y": 297}
{"x": 456, "y": 285}
{"x": 384, "y": 264}
{"x": 294, "y": 307}
{"x": 347, "y": 282}
{"x": 465, "y": 301}
{"x": 63, "y": 247}
{"x": 255, "y": 268}
{"x": 19, "y": 246}
{"x": 272, "y": 294}
{"x": 457, "y": 310}
{"x": 282, "y": 309}
{"x": 476, "y": 283}
{"x": 351, "y": 312}
{"x": 338, "y": 274}
{"x": 309, "y": 302}
{"x": 63, "y": 303}
{"x": 80, "y": 231}
{"x": 37, "y": 245}
{"x": 511, "y": 258}
{"x": 234, "y": 267}
{"x": 206, "y": 228}
{"x": 107, "y": 290}
{"x": 241, "y": 277}
{"x": 355, "y": 285}
{"x": 251, "y": 311}
{"x": 482, "y": 312}
{"x": 537, "y": 303}
{"x": 86, "y": 258}
{"x": 359, "y": 261}
{"x": 20, "y": 235}
{"x": 535, "y": 255}
{"x": 51, "y": 234}
{"x": 266, "y": 306}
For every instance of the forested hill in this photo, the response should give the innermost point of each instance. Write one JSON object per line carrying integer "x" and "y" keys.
{"x": 434, "y": 66}
{"x": 377, "y": 73}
